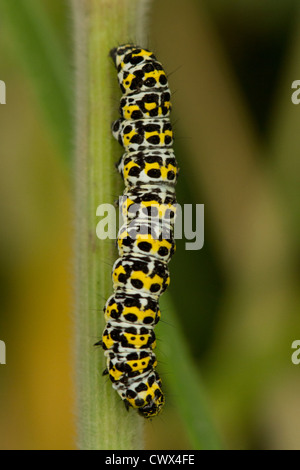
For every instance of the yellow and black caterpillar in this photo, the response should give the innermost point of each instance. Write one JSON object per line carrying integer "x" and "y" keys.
{"x": 146, "y": 238}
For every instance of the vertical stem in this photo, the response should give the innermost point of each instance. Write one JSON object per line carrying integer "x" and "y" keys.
{"x": 103, "y": 422}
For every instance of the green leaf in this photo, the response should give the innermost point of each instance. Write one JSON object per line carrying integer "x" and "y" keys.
{"x": 38, "y": 48}
{"x": 284, "y": 143}
{"x": 183, "y": 380}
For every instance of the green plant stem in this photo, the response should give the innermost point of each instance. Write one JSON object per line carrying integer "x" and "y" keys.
{"x": 103, "y": 422}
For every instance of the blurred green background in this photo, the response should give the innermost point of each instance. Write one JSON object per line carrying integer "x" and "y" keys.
{"x": 231, "y": 66}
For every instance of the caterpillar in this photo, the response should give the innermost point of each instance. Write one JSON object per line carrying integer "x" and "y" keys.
{"x": 146, "y": 238}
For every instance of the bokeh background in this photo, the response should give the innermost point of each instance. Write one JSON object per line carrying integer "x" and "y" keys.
{"x": 231, "y": 66}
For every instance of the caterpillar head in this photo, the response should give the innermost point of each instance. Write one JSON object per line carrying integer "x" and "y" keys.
{"x": 138, "y": 70}
{"x": 129, "y": 55}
